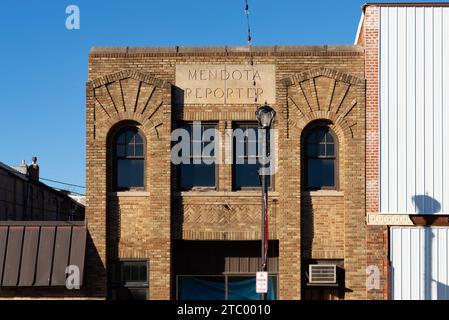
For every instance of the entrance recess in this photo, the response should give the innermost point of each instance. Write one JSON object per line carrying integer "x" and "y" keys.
{"x": 222, "y": 270}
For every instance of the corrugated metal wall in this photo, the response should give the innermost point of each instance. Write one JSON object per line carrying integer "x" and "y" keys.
{"x": 419, "y": 260}
{"x": 414, "y": 110}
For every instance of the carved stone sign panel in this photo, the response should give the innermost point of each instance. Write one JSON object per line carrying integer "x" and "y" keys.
{"x": 224, "y": 84}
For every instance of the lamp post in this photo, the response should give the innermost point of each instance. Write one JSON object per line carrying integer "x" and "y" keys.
{"x": 265, "y": 116}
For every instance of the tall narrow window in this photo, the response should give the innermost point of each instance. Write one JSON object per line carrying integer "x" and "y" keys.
{"x": 246, "y": 155}
{"x": 129, "y": 156}
{"x": 320, "y": 159}
{"x": 198, "y": 168}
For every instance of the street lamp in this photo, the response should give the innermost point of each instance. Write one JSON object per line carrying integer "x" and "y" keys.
{"x": 265, "y": 116}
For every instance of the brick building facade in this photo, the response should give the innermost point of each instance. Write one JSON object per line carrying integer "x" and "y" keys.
{"x": 314, "y": 85}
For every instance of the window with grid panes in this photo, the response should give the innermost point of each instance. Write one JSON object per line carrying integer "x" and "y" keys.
{"x": 320, "y": 159}
{"x": 129, "y": 158}
{"x": 198, "y": 170}
{"x": 129, "y": 280}
{"x": 246, "y": 156}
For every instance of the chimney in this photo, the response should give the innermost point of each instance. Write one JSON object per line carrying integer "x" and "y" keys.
{"x": 22, "y": 168}
{"x": 33, "y": 169}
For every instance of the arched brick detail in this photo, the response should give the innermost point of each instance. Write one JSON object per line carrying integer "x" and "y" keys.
{"x": 323, "y": 94}
{"x": 128, "y": 95}
{"x": 127, "y": 73}
{"x": 148, "y": 126}
{"x": 326, "y": 72}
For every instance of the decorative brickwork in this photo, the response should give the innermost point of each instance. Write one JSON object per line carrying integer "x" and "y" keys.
{"x": 137, "y": 225}
{"x": 333, "y": 223}
{"x": 225, "y": 219}
{"x": 129, "y": 227}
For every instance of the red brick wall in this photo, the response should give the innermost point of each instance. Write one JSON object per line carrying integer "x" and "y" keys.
{"x": 377, "y": 238}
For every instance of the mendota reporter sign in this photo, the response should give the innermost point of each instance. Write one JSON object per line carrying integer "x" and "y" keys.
{"x": 225, "y": 84}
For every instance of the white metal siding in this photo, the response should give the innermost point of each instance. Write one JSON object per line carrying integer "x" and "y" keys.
{"x": 420, "y": 263}
{"x": 414, "y": 110}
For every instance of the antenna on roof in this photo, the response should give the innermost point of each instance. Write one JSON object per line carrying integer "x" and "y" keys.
{"x": 250, "y": 51}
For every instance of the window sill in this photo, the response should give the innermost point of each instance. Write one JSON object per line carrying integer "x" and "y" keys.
{"x": 254, "y": 192}
{"x": 129, "y": 194}
{"x": 198, "y": 189}
{"x": 212, "y": 193}
{"x": 323, "y": 193}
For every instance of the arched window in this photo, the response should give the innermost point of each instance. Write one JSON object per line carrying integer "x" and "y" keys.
{"x": 129, "y": 159}
{"x": 321, "y": 148}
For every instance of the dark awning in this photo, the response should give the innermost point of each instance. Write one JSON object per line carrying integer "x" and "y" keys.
{"x": 34, "y": 254}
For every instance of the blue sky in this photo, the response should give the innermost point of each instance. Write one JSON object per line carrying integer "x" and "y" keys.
{"x": 44, "y": 65}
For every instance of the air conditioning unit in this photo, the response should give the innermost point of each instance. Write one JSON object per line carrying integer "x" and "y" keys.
{"x": 322, "y": 274}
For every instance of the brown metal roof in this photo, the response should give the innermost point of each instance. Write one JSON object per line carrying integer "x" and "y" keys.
{"x": 33, "y": 255}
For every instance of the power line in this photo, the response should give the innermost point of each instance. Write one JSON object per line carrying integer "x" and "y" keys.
{"x": 64, "y": 183}
{"x": 70, "y": 192}
{"x": 50, "y": 180}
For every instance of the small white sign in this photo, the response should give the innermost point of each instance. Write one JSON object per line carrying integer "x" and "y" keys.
{"x": 262, "y": 282}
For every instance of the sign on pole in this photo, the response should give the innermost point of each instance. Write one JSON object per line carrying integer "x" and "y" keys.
{"x": 262, "y": 282}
